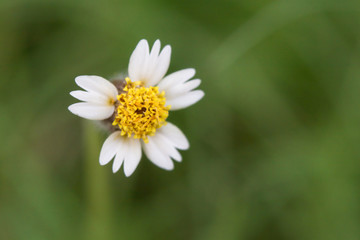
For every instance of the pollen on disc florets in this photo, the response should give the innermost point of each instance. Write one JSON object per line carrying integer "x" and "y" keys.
{"x": 140, "y": 110}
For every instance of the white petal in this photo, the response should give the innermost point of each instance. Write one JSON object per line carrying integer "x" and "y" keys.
{"x": 132, "y": 157}
{"x": 181, "y": 89}
{"x": 156, "y": 156}
{"x": 120, "y": 154}
{"x": 91, "y": 111}
{"x": 186, "y": 100}
{"x": 175, "y": 136}
{"x": 138, "y": 60}
{"x": 152, "y": 61}
{"x": 176, "y": 78}
{"x": 98, "y": 85}
{"x": 110, "y": 147}
{"x": 119, "y": 159}
{"x": 90, "y": 97}
{"x": 167, "y": 147}
{"x": 161, "y": 67}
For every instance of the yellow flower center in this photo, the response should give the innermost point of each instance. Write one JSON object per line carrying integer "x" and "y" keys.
{"x": 140, "y": 110}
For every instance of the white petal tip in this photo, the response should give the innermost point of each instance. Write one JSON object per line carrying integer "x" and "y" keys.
{"x": 167, "y": 49}
{"x": 186, "y": 100}
{"x": 192, "y": 71}
{"x": 128, "y": 174}
{"x": 129, "y": 170}
{"x": 73, "y": 109}
{"x": 175, "y": 136}
{"x": 186, "y": 146}
{"x": 169, "y": 169}
{"x": 80, "y": 79}
{"x": 142, "y": 43}
{"x": 201, "y": 94}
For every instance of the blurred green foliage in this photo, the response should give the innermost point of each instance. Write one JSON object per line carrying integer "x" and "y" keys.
{"x": 274, "y": 144}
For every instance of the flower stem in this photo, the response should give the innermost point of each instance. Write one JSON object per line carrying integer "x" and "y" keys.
{"x": 97, "y": 194}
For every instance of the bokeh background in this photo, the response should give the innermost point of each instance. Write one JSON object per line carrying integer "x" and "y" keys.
{"x": 274, "y": 143}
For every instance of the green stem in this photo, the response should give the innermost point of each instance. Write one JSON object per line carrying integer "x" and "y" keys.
{"x": 98, "y": 203}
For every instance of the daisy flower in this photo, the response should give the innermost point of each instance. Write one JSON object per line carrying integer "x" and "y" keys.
{"x": 136, "y": 109}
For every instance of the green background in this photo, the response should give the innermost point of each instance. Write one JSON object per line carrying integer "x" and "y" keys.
{"x": 274, "y": 143}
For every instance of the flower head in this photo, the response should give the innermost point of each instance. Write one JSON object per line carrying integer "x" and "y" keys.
{"x": 137, "y": 108}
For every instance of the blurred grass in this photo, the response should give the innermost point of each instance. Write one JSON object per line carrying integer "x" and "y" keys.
{"x": 274, "y": 144}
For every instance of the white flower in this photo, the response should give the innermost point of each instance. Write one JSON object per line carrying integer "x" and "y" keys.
{"x": 138, "y": 107}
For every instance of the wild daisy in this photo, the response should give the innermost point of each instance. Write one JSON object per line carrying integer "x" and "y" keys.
{"x": 136, "y": 109}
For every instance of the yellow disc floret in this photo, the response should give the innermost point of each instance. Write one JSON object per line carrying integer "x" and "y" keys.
{"x": 140, "y": 110}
